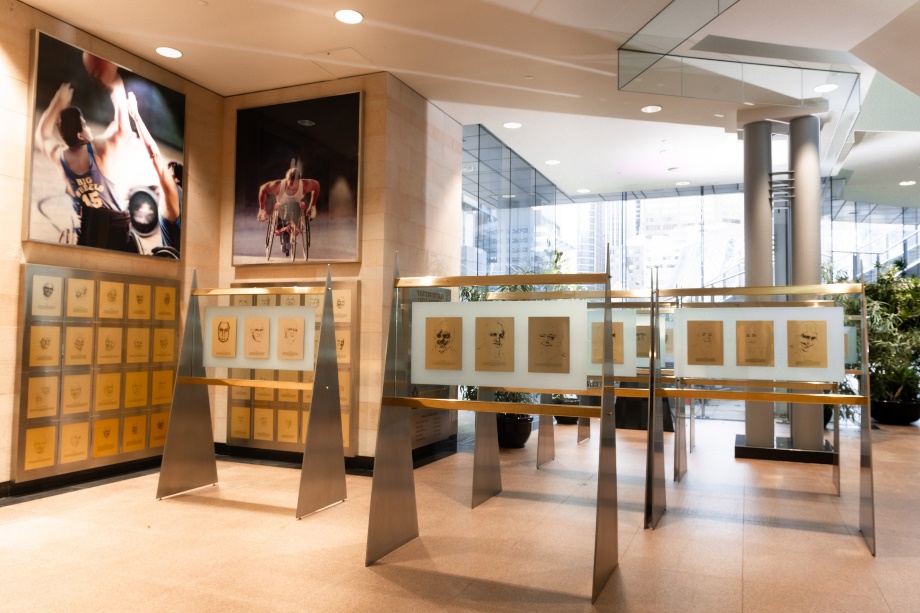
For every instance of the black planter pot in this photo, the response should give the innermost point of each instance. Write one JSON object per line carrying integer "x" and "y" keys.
{"x": 565, "y": 420}
{"x": 895, "y": 413}
{"x": 513, "y": 432}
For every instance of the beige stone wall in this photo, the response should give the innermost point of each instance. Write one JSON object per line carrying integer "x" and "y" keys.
{"x": 410, "y": 194}
{"x": 202, "y": 209}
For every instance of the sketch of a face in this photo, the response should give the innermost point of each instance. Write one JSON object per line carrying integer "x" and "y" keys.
{"x": 78, "y": 343}
{"x": 496, "y": 333}
{"x": 139, "y": 298}
{"x": 641, "y": 337}
{"x": 48, "y": 289}
{"x": 108, "y": 389}
{"x": 706, "y": 336}
{"x": 75, "y": 440}
{"x": 79, "y": 293}
{"x": 443, "y": 337}
{"x": 76, "y": 391}
{"x": 164, "y": 342}
{"x": 750, "y": 337}
{"x": 223, "y": 331}
{"x": 340, "y": 303}
{"x": 133, "y": 428}
{"x": 45, "y": 342}
{"x": 340, "y": 343}
{"x": 138, "y": 344}
{"x": 106, "y": 432}
{"x": 109, "y": 343}
{"x": 136, "y": 388}
{"x": 257, "y": 332}
{"x": 166, "y": 299}
{"x": 111, "y": 295}
{"x": 40, "y": 443}
{"x": 290, "y": 333}
{"x": 808, "y": 338}
{"x": 549, "y": 337}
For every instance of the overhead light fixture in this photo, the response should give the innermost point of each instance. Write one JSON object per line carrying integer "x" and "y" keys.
{"x": 507, "y": 196}
{"x": 719, "y": 115}
{"x": 682, "y": 183}
{"x": 583, "y": 190}
{"x": 827, "y": 87}
{"x": 169, "y": 52}
{"x": 511, "y": 125}
{"x": 907, "y": 183}
{"x": 349, "y": 16}
{"x": 552, "y": 162}
{"x": 652, "y": 108}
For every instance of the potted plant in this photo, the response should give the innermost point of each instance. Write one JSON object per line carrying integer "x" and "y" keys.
{"x": 893, "y": 328}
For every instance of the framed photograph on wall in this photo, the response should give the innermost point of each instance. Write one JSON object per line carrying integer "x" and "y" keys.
{"x": 107, "y": 158}
{"x": 298, "y": 157}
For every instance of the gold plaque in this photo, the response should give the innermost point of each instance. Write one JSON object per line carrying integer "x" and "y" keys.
{"x": 494, "y": 344}
{"x": 223, "y": 337}
{"x": 164, "y": 342}
{"x": 108, "y": 391}
{"x": 241, "y": 300}
{"x": 138, "y": 301}
{"x": 807, "y": 343}
{"x": 287, "y": 426}
{"x": 255, "y": 338}
{"x": 161, "y": 389}
{"x": 643, "y": 341}
{"x": 45, "y": 346}
{"x": 443, "y": 347}
{"x": 754, "y": 343}
{"x": 137, "y": 346}
{"x": 237, "y": 392}
{"x": 111, "y": 300}
{"x": 548, "y": 344}
{"x": 263, "y": 300}
{"x": 239, "y": 422}
{"x": 46, "y": 296}
{"x": 40, "y": 447}
{"x": 597, "y": 342}
{"x": 42, "y": 398}
{"x": 317, "y": 301}
{"x": 75, "y": 393}
{"x": 341, "y": 305}
{"x": 342, "y": 346}
{"x": 74, "y": 442}
{"x": 262, "y": 393}
{"x": 108, "y": 345}
{"x": 704, "y": 343}
{"x": 263, "y": 427}
{"x": 164, "y": 303}
{"x": 159, "y": 424}
{"x": 344, "y": 388}
{"x": 134, "y": 435}
{"x": 105, "y": 437}
{"x": 290, "y": 300}
{"x": 290, "y": 338}
{"x": 78, "y": 346}
{"x": 81, "y": 294}
{"x": 289, "y": 395}
{"x": 136, "y": 389}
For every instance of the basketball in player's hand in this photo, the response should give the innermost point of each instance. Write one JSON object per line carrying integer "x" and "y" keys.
{"x": 100, "y": 69}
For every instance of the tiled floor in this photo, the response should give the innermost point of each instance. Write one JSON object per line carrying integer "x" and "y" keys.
{"x": 738, "y": 535}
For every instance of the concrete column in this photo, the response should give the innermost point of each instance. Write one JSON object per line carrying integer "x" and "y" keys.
{"x": 758, "y": 253}
{"x": 807, "y": 420}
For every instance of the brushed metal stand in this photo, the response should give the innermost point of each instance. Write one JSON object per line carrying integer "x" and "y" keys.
{"x": 546, "y": 437}
{"x": 655, "y": 502}
{"x": 322, "y": 475}
{"x": 487, "y": 472}
{"x": 188, "y": 455}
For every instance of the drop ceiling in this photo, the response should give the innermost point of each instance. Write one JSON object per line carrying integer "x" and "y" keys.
{"x": 551, "y": 65}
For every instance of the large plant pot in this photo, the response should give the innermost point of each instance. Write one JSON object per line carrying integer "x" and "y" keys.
{"x": 895, "y": 413}
{"x": 513, "y": 432}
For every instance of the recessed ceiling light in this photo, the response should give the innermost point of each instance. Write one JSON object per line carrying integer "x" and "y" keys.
{"x": 169, "y": 52}
{"x": 349, "y": 16}
{"x": 583, "y": 191}
{"x": 906, "y": 183}
{"x": 552, "y": 162}
{"x": 682, "y": 183}
{"x": 528, "y": 77}
{"x": 507, "y": 196}
{"x": 749, "y": 104}
{"x": 511, "y": 125}
{"x": 827, "y": 87}
{"x": 652, "y": 108}
{"x": 306, "y": 122}
{"x": 719, "y": 115}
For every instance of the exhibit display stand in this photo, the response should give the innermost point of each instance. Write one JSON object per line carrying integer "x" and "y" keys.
{"x": 189, "y": 461}
{"x": 532, "y": 347}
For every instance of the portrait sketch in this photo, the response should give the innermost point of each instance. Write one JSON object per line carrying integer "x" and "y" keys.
{"x": 443, "y": 349}
{"x": 136, "y": 389}
{"x": 165, "y": 305}
{"x": 45, "y": 346}
{"x": 495, "y": 344}
{"x": 43, "y": 397}
{"x": 75, "y": 396}
{"x": 704, "y": 343}
{"x": 548, "y": 344}
{"x": 159, "y": 423}
{"x": 223, "y": 337}
{"x": 290, "y": 338}
{"x": 111, "y": 300}
{"x": 597, "y": 342}
{"x": 162, "y": 387}
{"x": 137, "y": 346}
{"x": 46, "y": 296}
{"x": 255, "y": 338}
{"x": 342, "y": 346}
{"x": 643, "y": 341}
{"x": 78, "y": 346}
{"x": 80, "y": 296}
{"x": 163, "y": 342}
{"x": 74, "y": 442}
{"x": 108, "y": 391}
{"x": 754, "y": 343}
{"x": 806, "y": 344}
{"x": 138, "y": 301}
{"x": 239, "y": 422}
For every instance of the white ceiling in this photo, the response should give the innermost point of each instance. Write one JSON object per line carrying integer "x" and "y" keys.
{"x": 552, "y": 66}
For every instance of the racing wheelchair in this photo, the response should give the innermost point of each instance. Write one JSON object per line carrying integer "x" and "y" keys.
{"x": 296, "y": 225}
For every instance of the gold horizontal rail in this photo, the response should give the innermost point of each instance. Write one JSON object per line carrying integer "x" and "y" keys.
{"x": 521, "y": 408}
{"x": 260, "y": 291}
{"x": 596, "y": 278}
{"x": 278, "y": 385}
{"x": 787, "y": 385}
{"x": 767, "y": 290}
{"x": 670, "y": 392}
{"x": 759, "y": 304}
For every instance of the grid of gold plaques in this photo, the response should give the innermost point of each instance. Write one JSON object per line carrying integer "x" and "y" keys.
{"x": 277, "y": 419}
{"x": 99, "y": 355}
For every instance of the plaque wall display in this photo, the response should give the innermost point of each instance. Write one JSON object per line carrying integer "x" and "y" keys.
{"x": 548, "y": 344}
{"x": 754, "y": 343}
{"x": 81, "y": 330}
{"x": 444, "y": 349}
{"x": 705, "y": 343}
